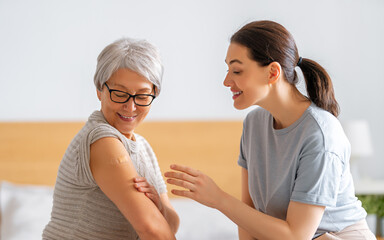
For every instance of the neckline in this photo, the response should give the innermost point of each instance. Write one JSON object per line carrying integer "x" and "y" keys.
{"x": 98, "y": 116}
{"x": 293, "y": 125}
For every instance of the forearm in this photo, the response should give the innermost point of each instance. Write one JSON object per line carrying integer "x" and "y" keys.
{"x": 301, "y": 222}
{"x": 257, "y": 224}
{"x": 244, "y": 235}
{"x": 157, "y": 234}
{"x": 147, "y": 220}
{"x": 172, "y": 218}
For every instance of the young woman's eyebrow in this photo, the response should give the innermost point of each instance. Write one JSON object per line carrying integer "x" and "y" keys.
{"x": 234, "y": 61}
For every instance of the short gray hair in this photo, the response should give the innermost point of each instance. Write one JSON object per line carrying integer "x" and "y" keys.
{"x": 137, "y": 55}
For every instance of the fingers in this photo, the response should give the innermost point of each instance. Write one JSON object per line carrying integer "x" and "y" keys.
{"x": 185, "y": 169}
{"x": 181, "y": 183}
{"x": 149, "y": 191}
{"x": 182, "y": 193}
{"x": 180, "y": 175}
{"x": 142, "y": 185}
{"x": 145, "y": 190}
{"x": 152, "y": 196}
{"x": 183, "y": 176}
{"x": 139, "y": 179}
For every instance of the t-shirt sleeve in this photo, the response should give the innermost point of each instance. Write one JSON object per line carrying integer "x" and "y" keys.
{"x": 317, "y": 179}
{"x": 242, "y": 160}
{"x": 84, "y": 173}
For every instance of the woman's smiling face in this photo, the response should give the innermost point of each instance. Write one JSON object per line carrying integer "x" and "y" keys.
{"x": 125, "y": 117}
{"x": 247, "y": 80}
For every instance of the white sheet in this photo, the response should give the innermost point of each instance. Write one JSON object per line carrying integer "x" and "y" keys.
{"x": 25, "y": 210}
{"x": 203, "y": 223}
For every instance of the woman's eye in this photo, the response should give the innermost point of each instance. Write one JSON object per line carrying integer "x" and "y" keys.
{"x": 234, "y": 72}
{"x": 144, "y": 97}
{"x": 120, "y": 95}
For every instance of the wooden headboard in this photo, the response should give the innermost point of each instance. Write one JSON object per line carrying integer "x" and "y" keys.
{"x": 30, "y": 152}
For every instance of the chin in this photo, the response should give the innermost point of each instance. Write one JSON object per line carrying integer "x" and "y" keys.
{"x": 240, "y": 106}
{"x": 125, "y": 130}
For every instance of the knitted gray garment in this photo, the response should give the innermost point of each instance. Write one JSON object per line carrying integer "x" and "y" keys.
{"x": 80, "y": 209}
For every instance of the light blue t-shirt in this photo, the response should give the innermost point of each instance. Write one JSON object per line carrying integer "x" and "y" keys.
{"x": 306, "y": 162}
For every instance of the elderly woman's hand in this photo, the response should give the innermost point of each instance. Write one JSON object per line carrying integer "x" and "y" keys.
{"x": 142, "y": 185}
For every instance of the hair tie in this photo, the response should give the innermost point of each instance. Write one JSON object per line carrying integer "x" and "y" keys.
{"x": 299, "y": 62}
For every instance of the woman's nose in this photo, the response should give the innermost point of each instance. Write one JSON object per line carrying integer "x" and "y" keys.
{"x": 130, "y": 105}
{"x": 227, "y": 82}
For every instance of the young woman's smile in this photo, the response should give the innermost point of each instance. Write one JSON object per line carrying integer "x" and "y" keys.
{"x": 236, "y": 94}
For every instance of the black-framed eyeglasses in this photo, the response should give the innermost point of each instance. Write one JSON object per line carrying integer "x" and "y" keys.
{"x": 118, "y": 96}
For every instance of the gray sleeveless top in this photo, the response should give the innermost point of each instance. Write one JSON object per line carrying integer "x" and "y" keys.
{"x": 80, "y": 209}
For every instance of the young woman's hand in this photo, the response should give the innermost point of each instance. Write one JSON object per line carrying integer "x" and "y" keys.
{"x": 200, "y": 187}
{"x": 143, "y": 186}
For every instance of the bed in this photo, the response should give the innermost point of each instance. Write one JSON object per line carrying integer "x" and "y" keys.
{"x": 30, "y": 153}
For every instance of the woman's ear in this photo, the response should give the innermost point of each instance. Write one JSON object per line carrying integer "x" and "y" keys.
{"x": 98, "y": 94}
{"x": 274, "y": 72}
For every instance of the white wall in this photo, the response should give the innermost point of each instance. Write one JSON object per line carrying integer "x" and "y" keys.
{"x": 48, "y": 51}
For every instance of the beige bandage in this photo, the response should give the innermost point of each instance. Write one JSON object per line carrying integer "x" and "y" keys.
{"x": 122, "y": 159}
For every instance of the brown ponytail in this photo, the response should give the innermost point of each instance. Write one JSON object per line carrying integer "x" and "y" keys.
{"x": 319, "y": 86}
{"x": 268, "y": 42}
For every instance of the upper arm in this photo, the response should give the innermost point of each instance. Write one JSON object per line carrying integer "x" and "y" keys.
{"x": 113, "y": 171}
{"x": 316, "y": 186}
{"x": 304, "y": 219}
{"x": 245, "y": 197}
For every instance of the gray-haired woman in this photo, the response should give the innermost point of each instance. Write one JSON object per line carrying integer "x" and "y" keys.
{"x": 95, "y": 194}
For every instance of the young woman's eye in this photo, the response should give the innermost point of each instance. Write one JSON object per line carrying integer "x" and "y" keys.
{"x": 234, "y": 72}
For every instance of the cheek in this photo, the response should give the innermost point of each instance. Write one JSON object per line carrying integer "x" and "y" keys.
{"x": 245, "y": 80}
{"x": 107, "y": 106}
{"x": 245, "y": 83}
{"x": 254, "y": 82}
{"x": 102, "y": 97}
{"x": 144, "y": 112}
{"x": 103, "y": 102}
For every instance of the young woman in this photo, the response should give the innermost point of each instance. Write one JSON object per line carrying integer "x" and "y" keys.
{"x": 296, "y": 181}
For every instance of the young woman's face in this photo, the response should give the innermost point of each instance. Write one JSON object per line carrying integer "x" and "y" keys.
{"x": 247, "y": 80}
{"x": 125, "y": 117}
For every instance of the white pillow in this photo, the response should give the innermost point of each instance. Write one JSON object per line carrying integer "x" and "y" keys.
{"x": 200, "y": 222}
{"x": 25, "y": 210}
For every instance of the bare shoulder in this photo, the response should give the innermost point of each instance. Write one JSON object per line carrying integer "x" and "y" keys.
{"x": 109, "y": 158}
{"x": 108, "y": 146}
{"x": 113, "y": 171}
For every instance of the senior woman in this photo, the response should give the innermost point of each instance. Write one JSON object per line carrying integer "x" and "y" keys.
{"x": 95, "y": 194}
